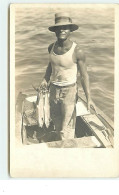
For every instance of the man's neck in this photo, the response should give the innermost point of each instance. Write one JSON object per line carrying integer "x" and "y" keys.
{"x": 63, "y": 43}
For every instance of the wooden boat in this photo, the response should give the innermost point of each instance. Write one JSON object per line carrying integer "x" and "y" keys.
{"x": 93, "y": 129}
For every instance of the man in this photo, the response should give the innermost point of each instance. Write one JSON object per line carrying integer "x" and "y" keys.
{"x": 65, "y": 59}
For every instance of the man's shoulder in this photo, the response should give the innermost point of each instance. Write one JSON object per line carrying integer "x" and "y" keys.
{"x": 78, "y": 48}
{"x": 50, "y": 47}
{"x": 79, "y": 52}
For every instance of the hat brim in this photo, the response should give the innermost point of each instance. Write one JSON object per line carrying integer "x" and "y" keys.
{"x": 73, "y": 27}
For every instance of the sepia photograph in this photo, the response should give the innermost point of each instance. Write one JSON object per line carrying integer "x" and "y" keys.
{"x": 61, "y": 78}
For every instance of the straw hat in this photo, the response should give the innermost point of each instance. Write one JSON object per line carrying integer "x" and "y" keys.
{"x": 62, "y": 19}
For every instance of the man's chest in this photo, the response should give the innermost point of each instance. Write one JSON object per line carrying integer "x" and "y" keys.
{"x": 61, "y": 50}
{"x": 64, "y": 54}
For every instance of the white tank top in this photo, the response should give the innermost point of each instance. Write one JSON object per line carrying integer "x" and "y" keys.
{"x": 64, "y": 70}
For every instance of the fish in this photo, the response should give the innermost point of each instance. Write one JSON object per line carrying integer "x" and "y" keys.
{"x": 47, "y": 110}
{"x": 40, "y": 107}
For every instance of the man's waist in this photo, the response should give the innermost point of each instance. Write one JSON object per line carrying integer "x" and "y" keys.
{"x": 63, "y": 86}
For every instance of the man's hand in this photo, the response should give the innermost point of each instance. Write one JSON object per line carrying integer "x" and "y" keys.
{"x": 44, "y": 84}
{"x": 90, "y": 104}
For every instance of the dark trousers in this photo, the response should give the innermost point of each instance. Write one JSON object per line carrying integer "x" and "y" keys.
{"x": 63, "y": 110}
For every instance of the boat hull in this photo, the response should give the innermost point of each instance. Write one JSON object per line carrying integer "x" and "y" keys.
{"x": 88, "y": 125}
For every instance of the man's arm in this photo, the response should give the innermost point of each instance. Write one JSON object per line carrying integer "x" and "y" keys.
{"x": 49, "y": 68}
{"x": 48, "y": 71}
{"x": 82, "y": 68}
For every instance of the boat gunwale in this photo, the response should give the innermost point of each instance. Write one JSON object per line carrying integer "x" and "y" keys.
{"x": 98, "y": 113}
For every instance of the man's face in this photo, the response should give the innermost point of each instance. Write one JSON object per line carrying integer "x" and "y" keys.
{"x": 62, "y": 32}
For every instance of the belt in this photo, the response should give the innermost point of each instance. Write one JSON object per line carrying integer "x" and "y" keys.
{"x": 70, "y": 85}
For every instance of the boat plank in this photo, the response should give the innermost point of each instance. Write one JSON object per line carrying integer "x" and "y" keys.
{"x": 100, "y": 114}
{"x": 84, "y": 142}
{"x": 98, "y": 129}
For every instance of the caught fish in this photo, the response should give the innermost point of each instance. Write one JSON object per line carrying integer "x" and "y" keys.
{"x": 47, "y": 109}
{"x": 40, "y": 108}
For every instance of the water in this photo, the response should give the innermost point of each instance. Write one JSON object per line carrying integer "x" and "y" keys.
{"x": 95, "y": 36}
